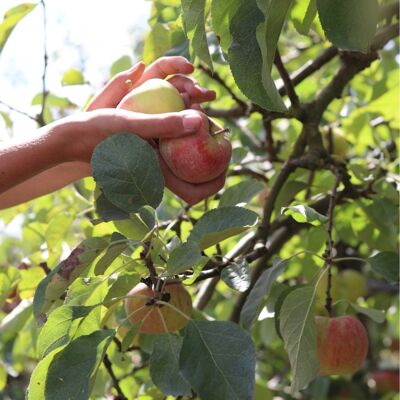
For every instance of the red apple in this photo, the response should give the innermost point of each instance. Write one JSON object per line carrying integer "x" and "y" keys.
{"x": 142, "y": 305}
{"x": 386, "y": 381}
{"x": 200, "y": 157}
{"x": 342, "y": 344}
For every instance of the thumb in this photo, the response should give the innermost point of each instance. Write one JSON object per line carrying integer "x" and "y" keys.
{"x": 166, "y": 125}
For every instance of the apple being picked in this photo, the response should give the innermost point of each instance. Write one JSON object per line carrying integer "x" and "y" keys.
{"x": 143, "y": 304}
{"x": 197, "y": 158}
{"x": 342, "y": 344}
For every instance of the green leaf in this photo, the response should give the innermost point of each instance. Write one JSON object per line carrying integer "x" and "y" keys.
{"x": 127, "y": 169}
{"x": 114, "y": 249}
{"x": 133, "y": 228}
{"x": 303, "y": 213}
{"x": 59, "y": 328}
{"x": 128, "y": 338}
{"x": 288, "y": 192}
{"x": 304, "y": 21}
{"x": 261, "y": 289}
{"x": 11, "y": 19}
{"x": 218, "y": 360}
{"x": 183, "y": 257}
{"x": 54, "y": 285}
{"x": 221, "y": 14}
{"x": 349, "y": 24}
{"x": 3, "y": 376}
{"x": 15, "y": 321}
{"x": 57, "y": 229}
{"x": 107, "y": 210}
{"x": 73, "y": 76}
{"x": 193, "y": 17}
{"x": 241, "y": 193}
{"x": 52, "y": 101}
{"x": 377, "y": 316}
{"x": 37, "y": 386}
{"x": 268, "y": 34}
{"x": 386, "y": 264}
{"x": 122, "y": 285}
{"x": 221, "y": 223}
{"x": 71, "y": 370}
{"x": 246, "y": 58}
{"x": 298, "y": 331}
{"x": 122, "y": 64}
{"x": 164, "y": 366}
{"x": 236, "y": 275}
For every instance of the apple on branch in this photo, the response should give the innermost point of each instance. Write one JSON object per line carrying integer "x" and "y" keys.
{"x": 342, "y": 344}
{"x": 148, "y": 306}
{"x": 197, "y": 158}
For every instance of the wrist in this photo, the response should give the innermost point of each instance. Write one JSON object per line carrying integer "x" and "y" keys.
{"x": 71, "y": 139}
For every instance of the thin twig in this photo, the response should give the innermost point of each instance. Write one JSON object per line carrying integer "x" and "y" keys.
{"x": 328, "y": 255}
{"x": 40, "y": 117}
{"x": 287, "y": 82}
{"x": 215, "y": 76}
{"x": 108, "y": 365}
{"x": 11, "y": 108}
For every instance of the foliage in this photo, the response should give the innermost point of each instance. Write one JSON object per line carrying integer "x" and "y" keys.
{"x": 251, "y": 256}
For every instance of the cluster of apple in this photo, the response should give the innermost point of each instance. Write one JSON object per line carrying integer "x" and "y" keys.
{"x": 197, "y": 158}
{"x": 342, "y": 342}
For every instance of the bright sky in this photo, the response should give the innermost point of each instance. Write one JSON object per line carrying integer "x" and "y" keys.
{"x": 84, "y": 34}
{"x": 89, "y": 34}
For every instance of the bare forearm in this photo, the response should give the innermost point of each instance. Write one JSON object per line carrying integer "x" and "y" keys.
{"x": 21, "y": 160}
{"x": 46, "y": 182}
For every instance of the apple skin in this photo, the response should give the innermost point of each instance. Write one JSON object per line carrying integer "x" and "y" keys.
{"x": 200, "y": 157}
{"x": 354, "y": 284}
{"x": 386, "y": 381}
{"x": 348, "y": 285}
{"x": 342, "y": 344}
{"x": 155, "y": 96}
{"x": 141, "y": 294}
{"x": 340, "y": 146}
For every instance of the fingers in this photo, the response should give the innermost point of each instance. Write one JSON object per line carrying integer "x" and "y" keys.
{"x": 189, "y": 86}
{"x": 165, "y": 66}
{"x": 116, "y": 88}
{"x": 190, "y": 192}
{"x": 149, "y": 126}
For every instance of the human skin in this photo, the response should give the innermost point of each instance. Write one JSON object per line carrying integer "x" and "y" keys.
{"x": 342, "y": 344}
{"x": 60, "y": 153}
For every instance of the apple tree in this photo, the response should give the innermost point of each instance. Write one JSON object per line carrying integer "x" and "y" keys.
{"x": 283, "y": 284}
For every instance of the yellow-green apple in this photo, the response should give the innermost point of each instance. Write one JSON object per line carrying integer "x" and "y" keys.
{"x": 321, "y": 287}
{"x": 353, "y": 284}
{"x": 335, "y": 142}
{"x": 342, "y": 344}
{"x": 385, "y": 381}
{"x": 347, "y": 285}
{"x": 155, "y": 96}
{"x": 143, "y": 304}
{"x": 200, "y": 157}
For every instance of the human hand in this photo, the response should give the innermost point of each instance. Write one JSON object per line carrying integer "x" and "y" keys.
{"x": 163, "y": 125}
{"x": 113, "y": 92}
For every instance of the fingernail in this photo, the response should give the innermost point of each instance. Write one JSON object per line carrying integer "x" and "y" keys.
{"x": 191, "y": 123}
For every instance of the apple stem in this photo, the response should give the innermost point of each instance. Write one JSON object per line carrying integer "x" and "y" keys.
{"x": 328, "y": 255}
{"x": 225, "y": 130}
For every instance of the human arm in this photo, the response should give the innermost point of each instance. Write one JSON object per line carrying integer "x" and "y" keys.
{"x": 60, "y": 153}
